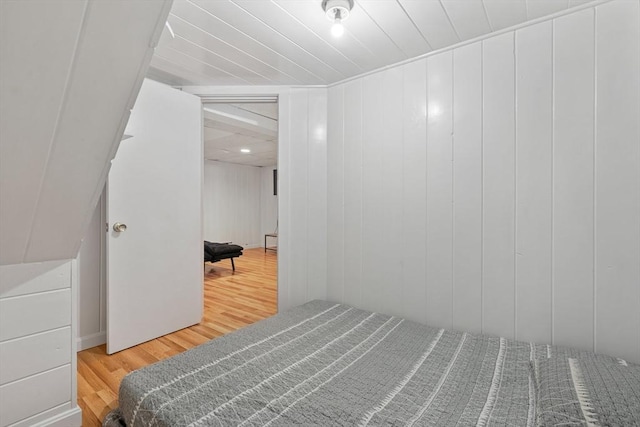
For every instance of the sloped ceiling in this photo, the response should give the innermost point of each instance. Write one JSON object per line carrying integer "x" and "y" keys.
{"x": 264, "y": 42}
{"x": 70, "y": 72}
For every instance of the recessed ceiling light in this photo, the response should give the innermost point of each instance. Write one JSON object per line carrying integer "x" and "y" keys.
{"x": 245, "y": 150}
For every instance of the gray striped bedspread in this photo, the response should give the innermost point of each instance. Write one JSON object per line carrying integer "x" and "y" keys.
{"x": 329, "y": 364}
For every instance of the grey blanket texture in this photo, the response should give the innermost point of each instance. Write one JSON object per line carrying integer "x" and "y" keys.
{"x": 327, "y": 364}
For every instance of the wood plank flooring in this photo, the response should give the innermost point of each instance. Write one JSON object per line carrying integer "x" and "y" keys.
{"x": 231, "y": 300}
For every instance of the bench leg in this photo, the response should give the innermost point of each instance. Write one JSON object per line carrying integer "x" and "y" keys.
{"x": 233, "y": 266}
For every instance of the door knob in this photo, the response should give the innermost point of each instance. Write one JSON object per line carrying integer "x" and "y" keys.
{"x": 119, "y": 227}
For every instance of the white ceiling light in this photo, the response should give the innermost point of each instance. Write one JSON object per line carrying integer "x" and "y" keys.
{"x": 245, "y": 150}
{"x": 337, "y": 11}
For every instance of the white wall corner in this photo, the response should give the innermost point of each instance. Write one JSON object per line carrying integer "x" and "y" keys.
{"x": 92, "y": 340}
{"x": 69, "y": 418}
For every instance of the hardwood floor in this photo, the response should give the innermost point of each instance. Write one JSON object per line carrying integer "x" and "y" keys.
{"x": 231, "y": 300}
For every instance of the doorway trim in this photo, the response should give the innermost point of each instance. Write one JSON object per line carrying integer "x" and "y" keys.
{"x": 281, "y": 95}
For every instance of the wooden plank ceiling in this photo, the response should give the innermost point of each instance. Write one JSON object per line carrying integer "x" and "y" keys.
{"x": 266, "y": 42}
{"x": 66, "y": 90}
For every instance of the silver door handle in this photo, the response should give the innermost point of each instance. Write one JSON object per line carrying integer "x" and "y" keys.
{"x": 119, "y": 227}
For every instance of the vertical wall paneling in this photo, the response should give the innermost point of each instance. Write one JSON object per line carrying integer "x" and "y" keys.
{"x": 305, "y": 222}
{"x": 390, "y": 230}
{"x": 353, "y": 192}
{"x": 231, "y": 196}
{"x": 285, "y": 253}
{"x": 617, "y": 183}
{"x": 316, "y": 241}
{"x": 373, "y": 218}
{"x": 335, "y": 195}
{"x": 573, "y": 38}
{"x": 534, "y": 134}
{"x": 519, "y": 212}
{"x": 439, "y": 305}
{"x": 498, "y": 185}
{"x": 414, "y": 202}
{"x": 467, "y": 188}
{"x": 298, "y": 221}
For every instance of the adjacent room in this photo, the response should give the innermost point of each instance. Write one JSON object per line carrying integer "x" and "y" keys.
{"x": 240, "y": 170}
{"x": 319, "y": 212}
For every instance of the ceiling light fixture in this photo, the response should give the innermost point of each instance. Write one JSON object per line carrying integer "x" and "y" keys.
{"x": 245, "y": 150}
{"x": 338, "y": 12}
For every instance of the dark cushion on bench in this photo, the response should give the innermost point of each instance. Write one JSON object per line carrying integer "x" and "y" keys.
{"x": 216, "y": 251}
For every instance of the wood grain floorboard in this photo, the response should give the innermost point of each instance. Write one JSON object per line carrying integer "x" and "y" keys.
{"x": 231, "y": 300}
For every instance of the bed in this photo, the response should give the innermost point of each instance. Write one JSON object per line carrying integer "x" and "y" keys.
{"x": 214, "y": 252}
{"x": 331, "y": 364}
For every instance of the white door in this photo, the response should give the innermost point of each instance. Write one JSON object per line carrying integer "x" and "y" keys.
{"x": 154, "y": 273}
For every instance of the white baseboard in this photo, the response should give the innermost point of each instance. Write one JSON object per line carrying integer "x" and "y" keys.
{"x": 65, "y": 415}
{"x": 92, "y": 340}
{"x": 69, "y": 418}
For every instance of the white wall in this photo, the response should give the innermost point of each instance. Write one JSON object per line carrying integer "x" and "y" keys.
{"x": 495, "y": 187}
{"x": 268, "y": 205}
{"x": 37, "y": 344}
{"x": 302, "y": 198}
{"x": 92, "y": 299}
{"x": 231, "y": 203}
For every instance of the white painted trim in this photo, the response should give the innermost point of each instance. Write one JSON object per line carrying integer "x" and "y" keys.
{"x": 65, "y": 415}
{"x": 92, "y": 340}
{"x": 236, "y": 91}
{"x": 282, "y": 93}
{"x": 254, "y": 246}
{"x": 75, "y": 284}
{"x": 247, "y": 91}
{"x": 569, "y": 11}
{"x": 69, "y": 418}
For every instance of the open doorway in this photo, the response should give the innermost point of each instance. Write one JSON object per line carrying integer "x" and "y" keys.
{"x": 240, "y": 202}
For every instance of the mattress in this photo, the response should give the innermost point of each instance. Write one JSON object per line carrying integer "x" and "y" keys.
{"x": 330, "y": 364}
